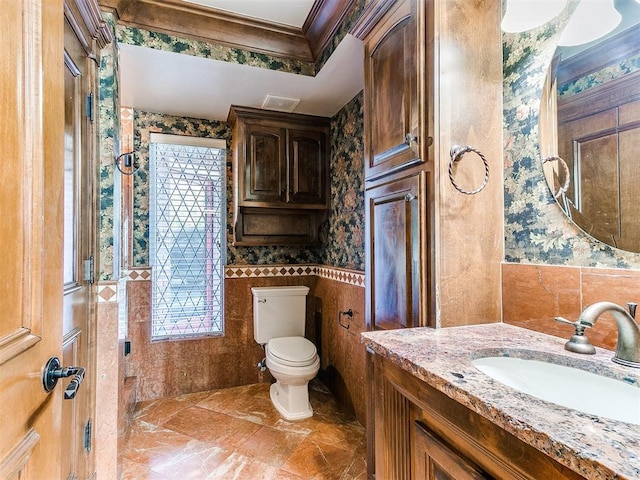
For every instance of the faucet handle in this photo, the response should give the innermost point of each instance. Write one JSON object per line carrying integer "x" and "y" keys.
{"x": 632, "y": 309}
{"x": 578, "y": 342}
{"x": 578, "y": 325}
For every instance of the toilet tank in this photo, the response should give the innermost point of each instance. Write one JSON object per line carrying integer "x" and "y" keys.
{"x": 278, "y": 312}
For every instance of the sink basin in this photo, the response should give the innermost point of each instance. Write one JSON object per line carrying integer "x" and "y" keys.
{"x": 567, "y": 386}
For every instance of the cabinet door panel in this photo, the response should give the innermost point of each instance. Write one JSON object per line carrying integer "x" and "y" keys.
{"x": 265, "y": 170}
{"x": 307, "y": 174}
{"x": 391, "y": 94}
{"x": 433, "y": 460}
{"x": 393, "y": 254}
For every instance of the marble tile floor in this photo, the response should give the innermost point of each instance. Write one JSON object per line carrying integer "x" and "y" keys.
{"x": 235, "y": 433}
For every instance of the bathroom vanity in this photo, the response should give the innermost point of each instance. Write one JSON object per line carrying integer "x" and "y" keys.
{"x": 438, "y": 416}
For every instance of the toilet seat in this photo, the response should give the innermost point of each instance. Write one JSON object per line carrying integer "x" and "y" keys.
{"x": 292, "y": 351}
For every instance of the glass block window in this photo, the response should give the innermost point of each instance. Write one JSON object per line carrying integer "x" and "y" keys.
{"x": 187, "y": 219}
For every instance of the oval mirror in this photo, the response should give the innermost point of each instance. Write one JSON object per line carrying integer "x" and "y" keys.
{"x": 590, "y": 132}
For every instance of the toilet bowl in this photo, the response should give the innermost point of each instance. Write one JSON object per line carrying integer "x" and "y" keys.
{"x": 279, "y": 316}
{"x": 292, "y": 361}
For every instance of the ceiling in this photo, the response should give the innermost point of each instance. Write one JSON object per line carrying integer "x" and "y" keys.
{"x": 285, "y": 12}
{"x": 183, "y": 85}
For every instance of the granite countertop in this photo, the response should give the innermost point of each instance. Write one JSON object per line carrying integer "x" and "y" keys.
{"x": 595, "y": 447}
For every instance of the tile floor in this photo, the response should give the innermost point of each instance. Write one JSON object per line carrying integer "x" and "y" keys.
{"x": 235, "y": 433}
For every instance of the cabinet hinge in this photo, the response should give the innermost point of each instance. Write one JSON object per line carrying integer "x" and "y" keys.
{"x": 87, "y": 436}
{"x": 88, "y": 266}
{"x": 89, "y": 107}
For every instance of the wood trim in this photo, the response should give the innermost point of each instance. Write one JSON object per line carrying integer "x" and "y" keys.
{"x": 608, "y": 52}
{"x": 323, "y": 21}
{"x": 597, "y": 99}
{"x": 34, "y": 170}
{"x": 12, "y": 465}
{"x": 207, "y": 24}
{"x": 15, "y": 343}
{"x": 370, "y": 17}
{"x": 300, "y": 120}
{"x": 87, "y": 23}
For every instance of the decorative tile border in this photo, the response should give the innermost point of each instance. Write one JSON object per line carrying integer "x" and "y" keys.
{"x": 264, "y": 271}
{"x": 137, "y": 274}
{"x": 352, "y": 277}
{"x": 107, "y": 292}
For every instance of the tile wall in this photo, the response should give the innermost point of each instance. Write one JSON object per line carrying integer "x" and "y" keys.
{"x": 169, "y": 368}
{"x": 535, "y": 294}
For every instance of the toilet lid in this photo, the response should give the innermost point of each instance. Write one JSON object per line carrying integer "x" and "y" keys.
{"x": 292, "y": 350}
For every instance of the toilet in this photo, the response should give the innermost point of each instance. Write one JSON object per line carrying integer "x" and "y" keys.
{"x": 279, "y": 315}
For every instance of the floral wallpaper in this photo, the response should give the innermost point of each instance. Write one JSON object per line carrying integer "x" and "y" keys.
{"x": 536, "y": 230}
{"x": 602, "y": 76}
{"x": 197, "y": 48}
{"x": 343, "y": 237}
{"x": 107, "y": 104}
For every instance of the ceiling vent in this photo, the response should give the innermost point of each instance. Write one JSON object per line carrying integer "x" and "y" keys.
{"x": 281, "y": 104}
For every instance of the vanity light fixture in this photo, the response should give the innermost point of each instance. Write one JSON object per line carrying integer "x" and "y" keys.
{"x": 522, "y": 15}
{"x": 591, "y": 20}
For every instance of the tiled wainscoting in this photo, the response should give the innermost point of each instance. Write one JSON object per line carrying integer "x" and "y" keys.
{"x": 170, "y": 368}
{"x": 532, "y": 295}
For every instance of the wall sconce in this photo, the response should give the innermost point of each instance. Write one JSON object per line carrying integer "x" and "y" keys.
{"x": 127, "y": 164}
{"x": 591, "y": 20}
{"x": 523, "y": 15}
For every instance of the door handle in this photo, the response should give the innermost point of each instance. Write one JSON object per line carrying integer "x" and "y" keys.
{"x": 53, "y": 372}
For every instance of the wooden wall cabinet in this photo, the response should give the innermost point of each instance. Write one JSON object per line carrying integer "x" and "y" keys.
{"x": 421, "y": 434}
{"x": 281, "y": 176}
{"x": 392, "y": 102}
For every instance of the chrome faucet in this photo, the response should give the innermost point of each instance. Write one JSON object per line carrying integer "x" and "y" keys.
{"x": 628, "y": 346}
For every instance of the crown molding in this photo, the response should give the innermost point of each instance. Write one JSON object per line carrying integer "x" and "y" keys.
{"x": 175, "y": 17}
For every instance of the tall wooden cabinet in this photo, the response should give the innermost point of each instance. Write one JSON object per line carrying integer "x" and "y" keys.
{"x": 433, "y": 79}
{"x": 281, "y": 176}
{"x": 397, "y": 134}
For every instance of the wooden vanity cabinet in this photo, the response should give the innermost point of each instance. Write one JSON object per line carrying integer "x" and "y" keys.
{"x": 281, "y": 176}
{"x": 420, "y": 433}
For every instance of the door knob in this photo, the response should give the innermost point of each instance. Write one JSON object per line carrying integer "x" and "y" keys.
{"x": 53, "y": 371}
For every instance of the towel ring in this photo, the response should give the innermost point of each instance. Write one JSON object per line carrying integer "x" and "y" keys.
{"x": 457, "y": 152}
{"x": 567, "y": 174}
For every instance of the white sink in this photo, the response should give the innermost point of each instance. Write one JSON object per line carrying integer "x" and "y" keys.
{"x": 567, "y": 386}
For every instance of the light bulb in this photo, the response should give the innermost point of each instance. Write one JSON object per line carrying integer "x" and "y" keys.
{"x": 591, "y": 20}
{"x": 522, "y": 15}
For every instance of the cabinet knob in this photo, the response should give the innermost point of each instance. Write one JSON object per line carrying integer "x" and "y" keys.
{"x": 409, "y": 197}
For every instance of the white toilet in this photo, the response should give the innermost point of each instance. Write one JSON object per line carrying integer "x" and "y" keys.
{"x": 278, "y": 324}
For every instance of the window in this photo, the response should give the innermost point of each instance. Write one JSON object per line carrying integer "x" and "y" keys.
{"x": 187, "y": 221}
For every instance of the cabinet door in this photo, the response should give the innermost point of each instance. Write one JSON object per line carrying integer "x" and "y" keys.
{"x": 391, "y": 100}
{"x": 307, "y": 167}
{"x": 265, "y": 170}
{"x": 433, "y": 460}
{"x": 393, "y": 253}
